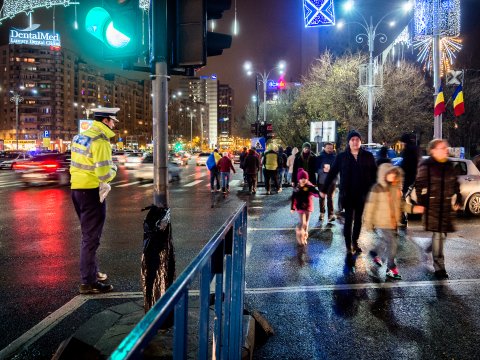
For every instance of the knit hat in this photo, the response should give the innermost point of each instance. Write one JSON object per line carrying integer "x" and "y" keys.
{"x": 353, "y": 133}
{"x": 302, "y": 174}
{"x": 306, "y": 145}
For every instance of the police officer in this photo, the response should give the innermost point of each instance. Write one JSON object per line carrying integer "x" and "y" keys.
{"x": 92, "y": 165}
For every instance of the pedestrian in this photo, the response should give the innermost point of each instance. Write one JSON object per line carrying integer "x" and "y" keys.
{"x": 91, "y": 170}
{"x": 211, "y": 163}
{"x": 382, "y": 156}
{"x": 324, "y": 162}
{"x": 224, "y": 166}
{"x": 251, "y": 168}
{"x": 358, "y": 172}
{"x": 290, "y": 161}
{"x": 307, "y": 161}
{"x": 382, "y": 213}
{"x": 437, "y": 188}
{"x": 302, "y": 203}
{"x": 282, "y": 166}
{"x": 410, "y": 158}
{"x": 271, "y": 169}
{"x": 243, "y": 155}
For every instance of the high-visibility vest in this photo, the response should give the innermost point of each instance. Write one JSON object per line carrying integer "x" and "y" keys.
{"x": 92, "y": 157}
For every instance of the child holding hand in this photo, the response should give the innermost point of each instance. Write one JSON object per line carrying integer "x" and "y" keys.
{"x": 302, "y": 202}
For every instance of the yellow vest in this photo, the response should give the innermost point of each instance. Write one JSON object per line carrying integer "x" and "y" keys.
{"x": 92, "y": 157}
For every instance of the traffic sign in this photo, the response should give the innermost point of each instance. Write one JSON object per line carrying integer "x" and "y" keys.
{"x": 46, "y": 133}
{"x": 258, "y": 143}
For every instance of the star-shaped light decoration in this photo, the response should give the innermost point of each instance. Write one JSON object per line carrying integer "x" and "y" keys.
{"x": 318, "y": 13}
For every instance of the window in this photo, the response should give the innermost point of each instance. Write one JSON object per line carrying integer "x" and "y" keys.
{"x": 460, "y": 168}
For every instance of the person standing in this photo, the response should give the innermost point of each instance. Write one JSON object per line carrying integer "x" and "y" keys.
{"x": 358, "y": 173}
{"x": 271, "y": 169}
{"x": 243, "y": 155}
{"x": 324, "y": 162}
{"x": 410, "y": 159}
{"x": 251, "y": 168}
{"x": 290, "y": 160}
{"x": 224, "y": 166}
{"x": 211, "y": 163}
{"x": 436, "y": 184}
{"x": 91, "y": 168}
{"x": 282, "y": 166}
{"x": 307, "y": 161}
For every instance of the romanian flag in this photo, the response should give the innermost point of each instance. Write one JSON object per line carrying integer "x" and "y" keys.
{"x": 458, "y": 104}
{"x": 439, "y": 103}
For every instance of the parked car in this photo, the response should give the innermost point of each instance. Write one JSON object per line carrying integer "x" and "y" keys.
{"x": 145, "y": 170}
{"x": 44, "y": 169}
{"x": 469, "y": 178}
{"x": 12, "y": 158}
{"x": 375, "y": 148}
{"x": 132, "y": 160}
{"x": 201, "y": 159}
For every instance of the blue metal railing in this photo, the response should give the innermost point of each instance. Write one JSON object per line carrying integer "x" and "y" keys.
{"x": 223, "y": 257}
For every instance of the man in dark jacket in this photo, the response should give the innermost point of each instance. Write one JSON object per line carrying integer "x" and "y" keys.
{"x": 410, "y": 158}
{"x": 306, "y": 160}
{"x": 358, "y": 173}
{"x": 324, "y": 162}
{"x": 435, "y": 185}
{"x": 251, "y": 166}
{"x": 242, "y": 157}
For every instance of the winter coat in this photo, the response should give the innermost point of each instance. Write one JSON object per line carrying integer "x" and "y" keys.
{"x": 282, "y": 159}
{"x": 251, "y": 164}
{"x": 323, "y": 159}
{"x": 385, "y": 202}
{"x": 356, "y": 176}
{"x": 435, "y": 185}
{"x": 225, "y": 164}
{"x": 271, "y": 160}
{"x": 291, "y": 159}
{"x": 308, "y": 164}
{"x": 410, "y": 158}
{"x": 243, "y": 155}
{"x": 302, "y": 197}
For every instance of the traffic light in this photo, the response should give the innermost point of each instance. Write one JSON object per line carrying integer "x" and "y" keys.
{"x": 266, "y": 131}
{"x": 120, "y": 26}
{"x": 216, "y": 42}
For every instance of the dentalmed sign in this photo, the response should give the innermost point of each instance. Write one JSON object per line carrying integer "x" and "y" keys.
{"x": 42, "y": 38}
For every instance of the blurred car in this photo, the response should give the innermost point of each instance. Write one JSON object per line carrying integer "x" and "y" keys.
{"x": 201, "y": 159}
{"x": 120, "y": 156}
{"x": 178, "y": 159}
{"x": 236, "y": 158}
{"x": 132, "y": 160}
{"x": 44, "y": 168}
{"x": 12, "y": 158}
{"x": 469, "y": 178}
{"x": 145, "y": 170}
{"x": 375, "y": 148}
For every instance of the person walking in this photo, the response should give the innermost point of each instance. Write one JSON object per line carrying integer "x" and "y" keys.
{"x": 307, "y": 161}
{"x": 282, "y": 166}
{"x": 410, "y": 158}
{"x": 324, "y": 162}
{"x": 91, "y": 170}
{"x": 243, "y": 155}
{"x": 212, "y": 166}
{"x": 382, "y": 213}
{"x": 251, "y": 168}
{"x": 302, "y": 203}
{"x": 224, "y": 166}
{"x": 271, "y": 166}
{"x": 358, "y": 173}
{"x": 290, "y": 160}
{"x": 437, "y": 189}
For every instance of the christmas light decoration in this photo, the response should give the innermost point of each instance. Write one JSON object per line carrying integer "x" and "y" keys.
{"x": 448, "y": 18}
{"x": 11, "y": 8}
{"x": 318, "y": 13}
{"x": 449, "y": 47}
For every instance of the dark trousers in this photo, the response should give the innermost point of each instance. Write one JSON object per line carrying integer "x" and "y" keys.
{"x": 92, "y": 214}
{"x": 252, "y": 182}
{"x": 353, "y": 216}
{"x": 271, "y": 175}
{"x": 214, "y": 175}
{"x": 329, "y": 198}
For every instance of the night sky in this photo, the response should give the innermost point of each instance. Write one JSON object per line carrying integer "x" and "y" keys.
{"x": 270, "y": 30}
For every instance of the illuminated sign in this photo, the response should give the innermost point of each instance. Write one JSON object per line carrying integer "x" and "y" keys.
{"x": 322, "y": 131}
{"x": 28, "y": 37}
{"x": 84, "y": 125}
{"x": 276, "y": 85}
{"x": 318, "y": 13}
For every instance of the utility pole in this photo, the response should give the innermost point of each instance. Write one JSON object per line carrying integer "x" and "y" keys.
{"x": 437, "y": 120}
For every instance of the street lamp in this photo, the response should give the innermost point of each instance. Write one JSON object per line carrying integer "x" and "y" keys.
{"x": 370, "y": 34}
{"x": 191, "y": 127}
{"x": 248, "y": 67}
{"x": 16, "y": 99}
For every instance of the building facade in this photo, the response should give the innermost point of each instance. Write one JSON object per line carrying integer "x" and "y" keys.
{"x": 225, "y": 109}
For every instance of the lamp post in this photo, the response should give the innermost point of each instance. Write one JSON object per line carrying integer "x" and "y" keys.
{"x": 16, "y": 99}
{"x": 202, "y": 109}
{"x": 263, "y": 77}
{"x": 370, "y": 34}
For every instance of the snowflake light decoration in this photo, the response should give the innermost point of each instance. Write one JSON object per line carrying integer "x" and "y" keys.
{"x": 448, "y": 17}
{"x": 318, "y": 13}
{"x": 449, "y": 47}
{"x": 11, "y": 8}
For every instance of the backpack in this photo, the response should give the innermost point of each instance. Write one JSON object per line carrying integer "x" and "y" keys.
{"x": 211, "y": 162}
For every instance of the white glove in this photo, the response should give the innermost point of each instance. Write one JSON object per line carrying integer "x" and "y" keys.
{"x": 103, "y": 190}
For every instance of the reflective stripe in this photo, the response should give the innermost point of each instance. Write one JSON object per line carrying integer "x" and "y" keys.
{"x": 106, "y": 177}
{"x": 100, "y": 136}
{"x": 85, "y": 152}
{"x": 82, "y": 166}
{"x": 104, "y": 163}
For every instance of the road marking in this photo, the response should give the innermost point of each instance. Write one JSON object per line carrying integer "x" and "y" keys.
{"x": 118, "y": 182}
{"x": 234, "y": 182}
{"x": 193, "y": 183}
{"x": 281, "y": 229}
{"x": 129, "y": 184}
{"x": 255, "y": 207}
{"x": 147, "y": 184}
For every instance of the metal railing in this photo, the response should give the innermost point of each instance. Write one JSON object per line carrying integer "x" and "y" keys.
{"x": 223, "y": 257}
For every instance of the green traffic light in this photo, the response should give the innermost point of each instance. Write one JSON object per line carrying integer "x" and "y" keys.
{"x": 98, "y": 23}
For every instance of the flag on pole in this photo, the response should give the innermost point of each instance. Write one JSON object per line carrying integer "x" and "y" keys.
{"x": 439, "y": 103}
{"x": 458, "y": 104}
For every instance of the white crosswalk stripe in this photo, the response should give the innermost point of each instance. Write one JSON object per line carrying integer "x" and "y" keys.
{"x": 193, "y": 183}
{"x": 129, "y": 184}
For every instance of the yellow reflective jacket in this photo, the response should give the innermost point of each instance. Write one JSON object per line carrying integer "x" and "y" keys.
{"x": 92, "y": 157}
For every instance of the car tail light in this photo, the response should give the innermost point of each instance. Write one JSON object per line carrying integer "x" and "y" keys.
{"x": 19, "y": 166}
{"x": 49, "y": 166}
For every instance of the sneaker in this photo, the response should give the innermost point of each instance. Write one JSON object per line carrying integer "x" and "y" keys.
{"x": 280, "y": 190}
{"x": 393, "y": 274}
{"x": 97, "y": 288}
{"x": 101, "y": 276}
{"x": 357, "y": 249}
{"x": 441, "y": 275}
{"x": 377, "y": 261}
{"x": 332, "y": 218}
{"x": 320, "y": 218}
{"x": 212, "y": 190}
{"x": 268, "y": 192}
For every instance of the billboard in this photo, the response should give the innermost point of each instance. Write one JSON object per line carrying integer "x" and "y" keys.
{"x": 323, "y": 131}
{"x": 84, "y": 124}
{"x": 33, "y": 37}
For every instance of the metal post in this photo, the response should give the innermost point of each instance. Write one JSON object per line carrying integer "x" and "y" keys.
{"x": 437, "y": 120}
{"x": 265, "y": 79}
{"x": 257, "y": 100}
{"x": 201, "y": 129}
{"x": 16, "y": 120}
{"x": 371, "y": 40}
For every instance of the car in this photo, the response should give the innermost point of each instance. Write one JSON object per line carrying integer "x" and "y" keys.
{"x": 120, "y": 156}
{"x": 145, "y": 170}
{"x": 44, "y": 169}
{"x": 469, "y": 178}
{"x": 178, "y": 159}
{"x": 375, "y": 148}
{"x": 201, "y": 159}
{"x": 132, "y": 160}
{"x": 12, "y": 158}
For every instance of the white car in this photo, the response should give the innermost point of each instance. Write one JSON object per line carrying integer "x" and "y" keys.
{"x": 145, "y": 170}
{"x": 201, "y": 159}
{"x": 11, "y": 159}
{"x": 133, "y": 160}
